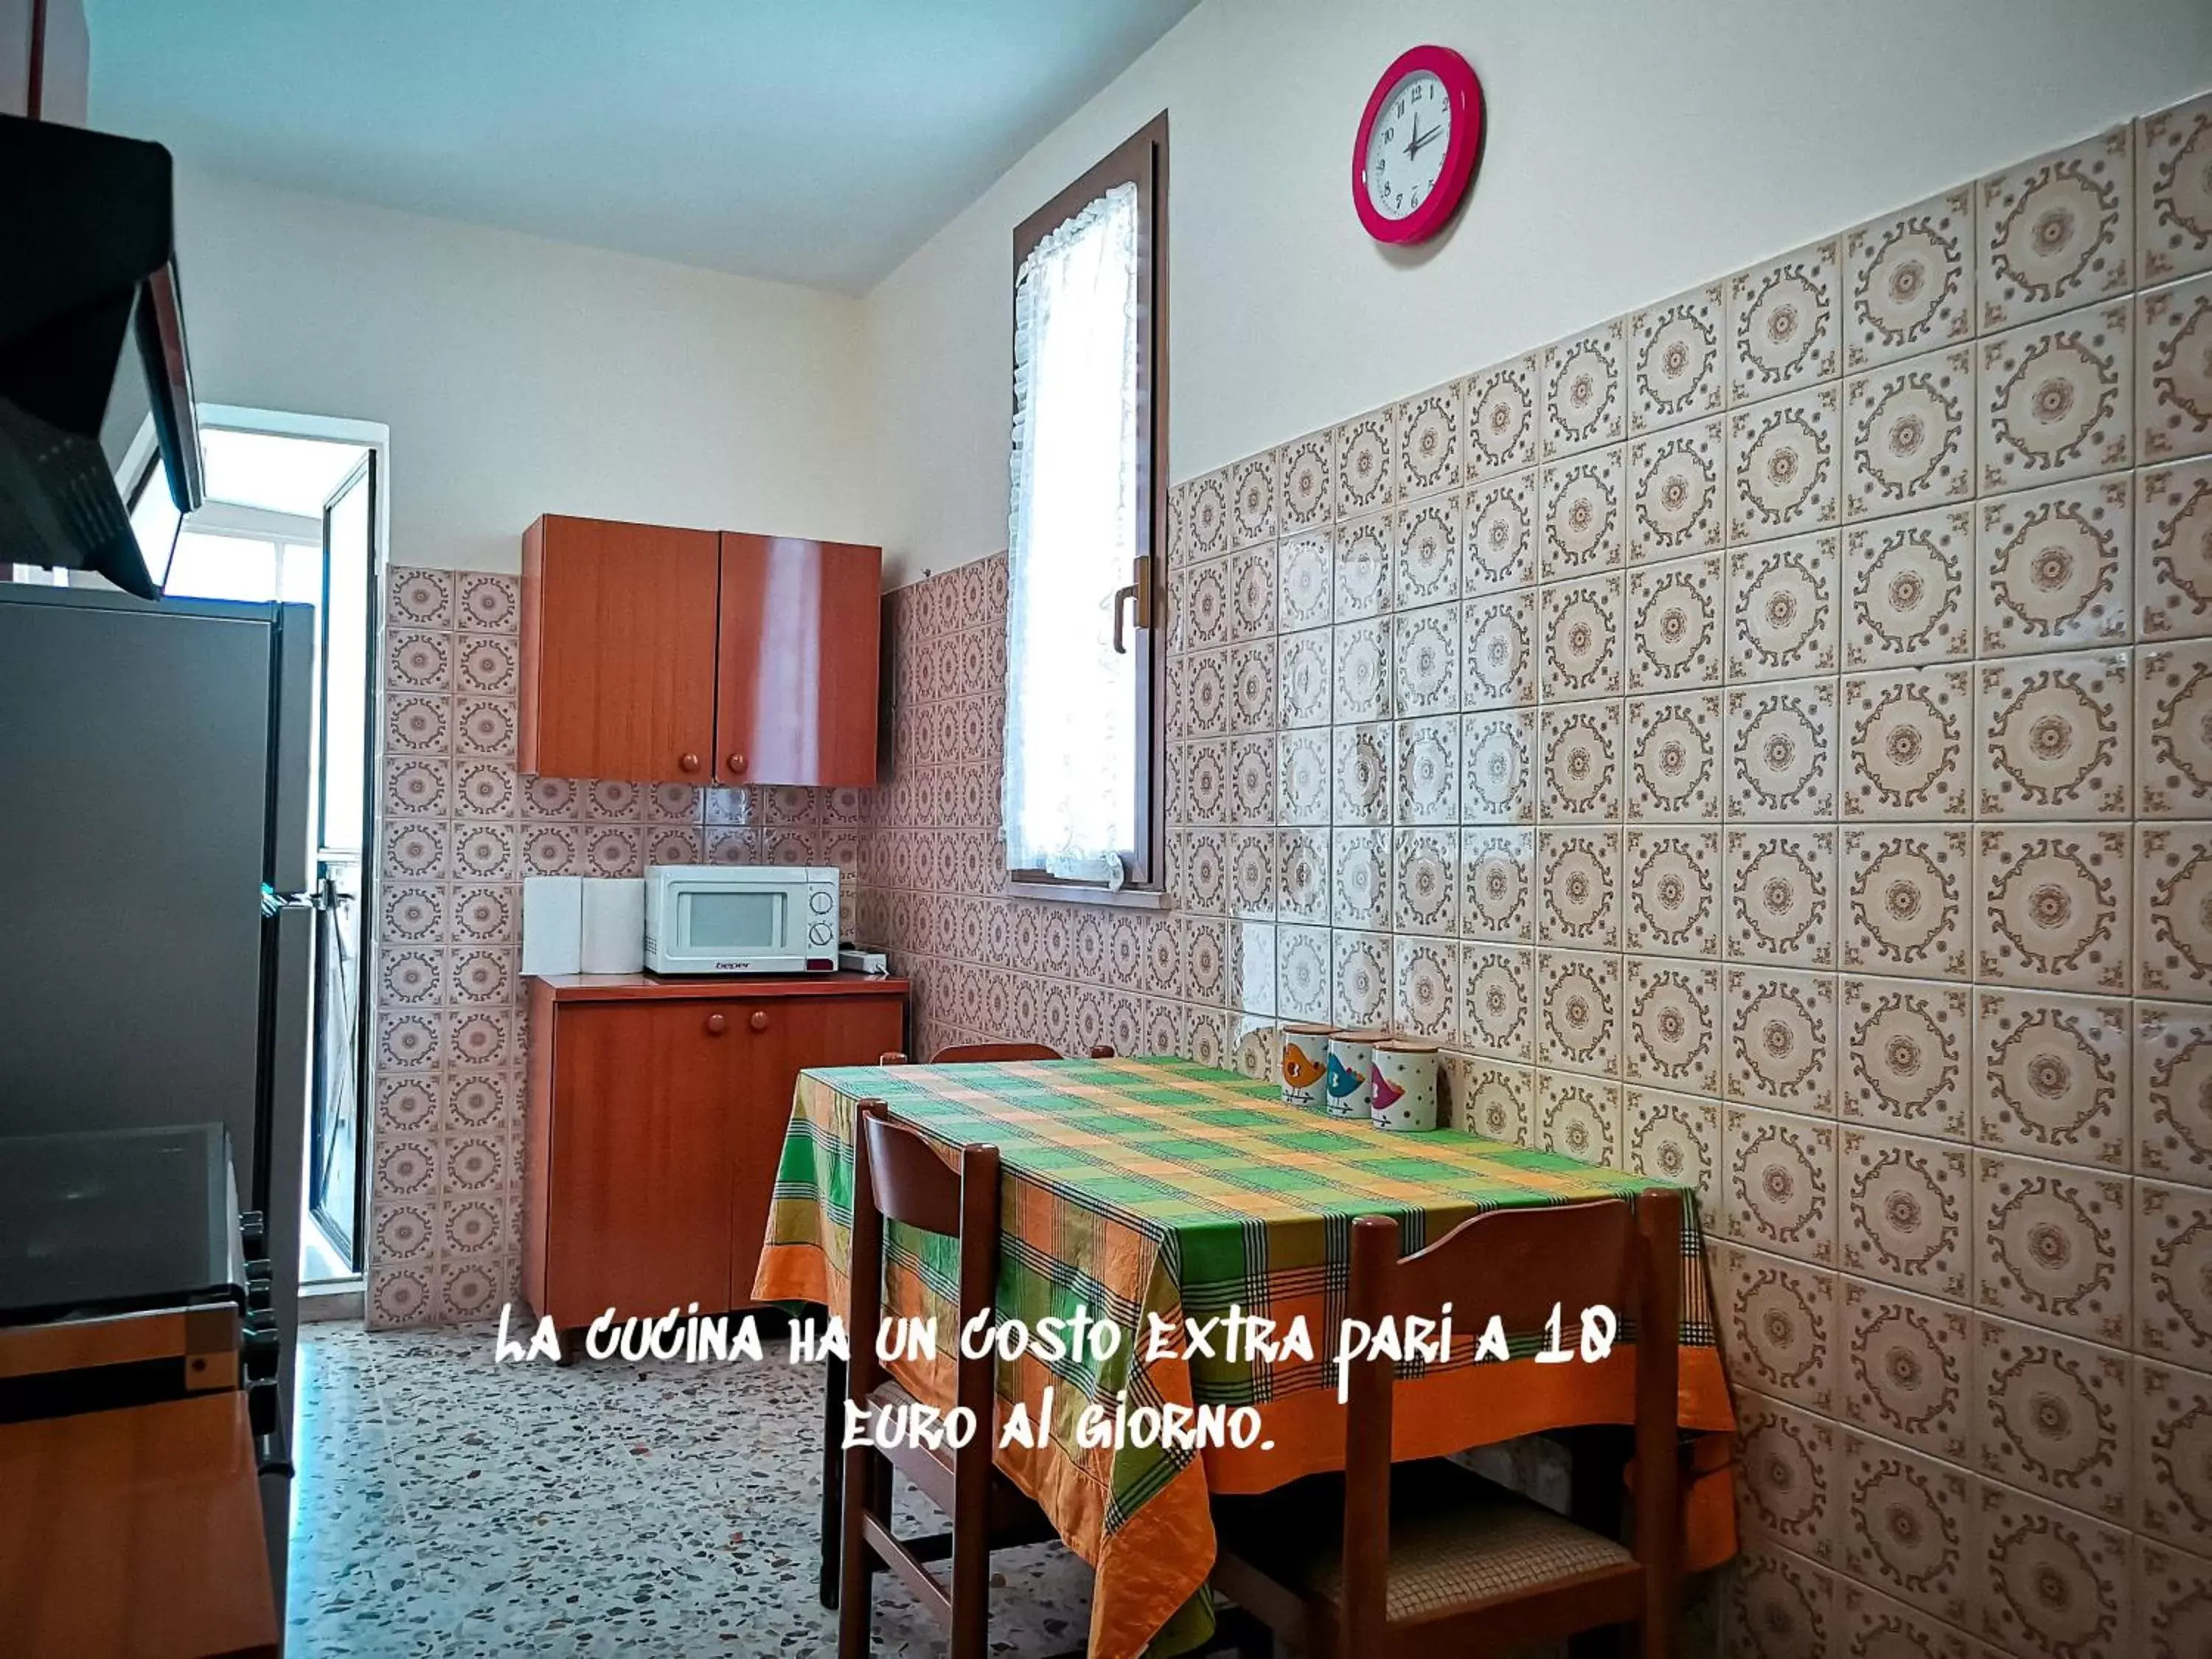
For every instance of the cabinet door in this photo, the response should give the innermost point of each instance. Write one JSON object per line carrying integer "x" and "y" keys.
{"x": 618, "y": 651}
{"x": 783, "y": 1036}
{"x": 638, "y": 1209}
{"x": 795, "y": 688}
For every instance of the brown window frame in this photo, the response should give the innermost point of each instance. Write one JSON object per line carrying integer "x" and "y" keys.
{"x": 1141, "y": 159}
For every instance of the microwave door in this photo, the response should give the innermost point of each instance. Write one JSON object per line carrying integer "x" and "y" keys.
{"x": 720, "y": 921}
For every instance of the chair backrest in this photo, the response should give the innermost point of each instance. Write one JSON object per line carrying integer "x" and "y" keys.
{"x": 898, "y": 1175}
{"x": 969, "y": 1053}
{"x": 1517, "y": 1264}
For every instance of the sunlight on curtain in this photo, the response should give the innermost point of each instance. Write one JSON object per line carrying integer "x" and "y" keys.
{"x": 1070, "y": 805}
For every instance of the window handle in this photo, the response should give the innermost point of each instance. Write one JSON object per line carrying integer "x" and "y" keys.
{"x": 1139, "y": 593}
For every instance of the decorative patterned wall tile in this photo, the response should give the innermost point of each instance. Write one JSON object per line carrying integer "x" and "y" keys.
{"x": 1780, "y": 895}
{"x": 1908, "y": 1368}
{"x": 2174, "y": 900}
{"x": 1673, "y": 757}
{"x": 2058, "y": 399}
{"x": 1306, "y": 580}
{"x": 2173, "y": 551}
{"x": 1497, "y": 884}
{"x": 2173, "y": 371}
{"x": 1578, "y": 1012}
{"x": 1677, "y": 484}
{"x": 1905, "y": 752}
{"x": 1671, "y": 879}
{"x": 1672, "y": 1026}
{"x": 1583, "y": 513}
{"x": 1674, "y": 624}
{"x": 1676, "y": 1137}
{"x": 1503, "y": 417}
{"x": 1907, "y": 1211}
{"x": 1789, "y": 1462}
{"x": 1909, "y": 281}
{"x": 1497, "y": 755}
{"x": 1678, "y": 360}
{"x": 1780, "y": 1039}
{"x": 1426, "y": 430}
{"x": 2053, "y": 1582}
{"x": 2053, "y": 568}
{"x": 1426, "y": 556}
{"x": 2172, "y": 1283}
{"x": 1904, "y": 893}
{"x": 1779, "y": 1325}
{"x": 2055, "y": 908}
{"x": 1497, "y": 634}
{"x": 1785, "y": 463}
{"x": 1580, "y": 641}
{"x": 1784, "y": 324}
{"x": 1906, "y": 1054}
{"x": 2173, "y": 201}
{"x": 2058, "y": 231}
{"x": 2058, "y": 1416}
{"x": 2172, "y": 1091}
{"x": 2058, "y": 738}
{"x": 1910, "y": 1527}
{"x": 1500, "y": 548}
{"x": 1584, "y": 400}
{"x": 1579, "y": 1117}
{"x": 1783, "y": 1604}
{"x": 1906, "y": 595}
{"x": 1364, "y": 483}
{"x": 1579, "y": 762}
{"x": 1910, "y": 430}
{"x": 1306, "y": 482}
{"x": 2174, "y": 732}
{"x": 1782, "y": 609}
{"x": 2050, "y": 1077}
{"x": 2052, "y": 1246}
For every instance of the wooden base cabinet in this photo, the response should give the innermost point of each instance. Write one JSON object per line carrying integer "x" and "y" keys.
{"x": 656, "y": 1121}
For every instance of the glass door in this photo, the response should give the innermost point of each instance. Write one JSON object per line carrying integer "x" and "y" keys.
{"x": 338, "y": 1119}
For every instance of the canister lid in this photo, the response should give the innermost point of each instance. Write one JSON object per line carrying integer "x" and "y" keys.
{"x": 1408, "y": 1046}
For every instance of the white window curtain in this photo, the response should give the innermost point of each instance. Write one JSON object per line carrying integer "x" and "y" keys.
{"x": 1070, "y": 801}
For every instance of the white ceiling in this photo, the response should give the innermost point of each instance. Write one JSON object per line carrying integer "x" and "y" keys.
{"x": 809, "y": 141}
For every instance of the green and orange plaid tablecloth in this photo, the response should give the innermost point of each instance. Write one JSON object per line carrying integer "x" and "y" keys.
{"x": 1137, "y": 1187}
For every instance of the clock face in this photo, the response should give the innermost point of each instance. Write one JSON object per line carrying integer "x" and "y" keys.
{"x": 1408, "y": 145}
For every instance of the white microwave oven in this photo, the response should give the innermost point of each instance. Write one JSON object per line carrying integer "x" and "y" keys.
{"x": 740, "y": 919}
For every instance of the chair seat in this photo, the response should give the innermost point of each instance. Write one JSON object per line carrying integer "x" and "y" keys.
{"x": 1456, "y": 1541}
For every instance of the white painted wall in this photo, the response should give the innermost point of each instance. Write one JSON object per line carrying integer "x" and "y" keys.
{"x": 1637, "y": 146}
{"x": 519, "y": 376}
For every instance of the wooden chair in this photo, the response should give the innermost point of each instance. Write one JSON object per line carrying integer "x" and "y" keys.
{"x": 898, "y": 1176}
{"x": 969, "y": 1054}
{"x": 1428, "y": 1556}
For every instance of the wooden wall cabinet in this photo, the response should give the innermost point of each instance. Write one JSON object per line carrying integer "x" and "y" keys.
{"x": 685, "y": 656}
{"x": 657, "y": 1114}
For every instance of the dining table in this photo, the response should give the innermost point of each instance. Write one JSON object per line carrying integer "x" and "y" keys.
{"x": 1155, "y": 1194}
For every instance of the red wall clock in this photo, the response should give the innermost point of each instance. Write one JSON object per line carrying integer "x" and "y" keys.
{"x": 1416, "y": 146}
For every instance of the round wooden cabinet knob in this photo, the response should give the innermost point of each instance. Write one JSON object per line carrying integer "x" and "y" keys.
{"x": 688, "y": 762}
{"x": 760, "y": 1019}
{"x": 716, "y": 1025}
{"x": 737, "y": 760}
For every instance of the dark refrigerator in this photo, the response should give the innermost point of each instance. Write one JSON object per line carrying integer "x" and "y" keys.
{"x": 156, "y": 941}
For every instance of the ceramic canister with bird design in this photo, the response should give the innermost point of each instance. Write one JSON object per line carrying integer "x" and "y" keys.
{"x": 1305, "y": 1064}
{"x": 1405, "y": 1085}
{"x": 1350, "y": 1084}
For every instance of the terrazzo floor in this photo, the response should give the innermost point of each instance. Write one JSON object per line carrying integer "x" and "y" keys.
{"x": 446, "y": 1507}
